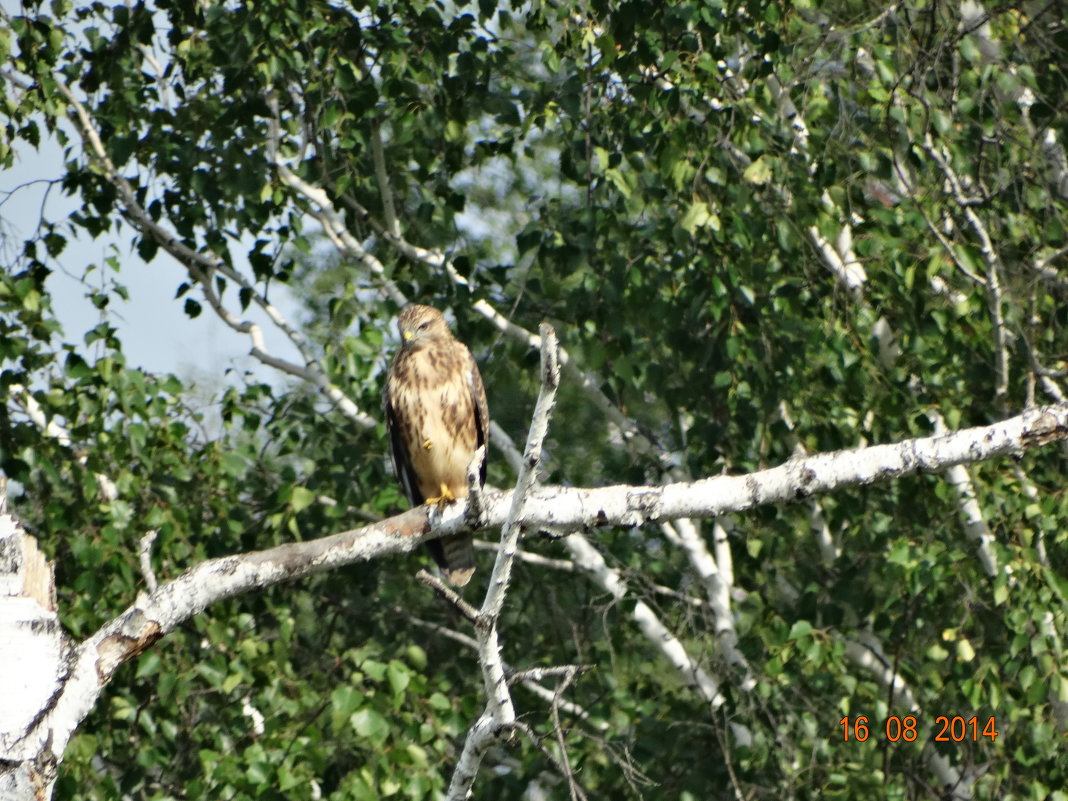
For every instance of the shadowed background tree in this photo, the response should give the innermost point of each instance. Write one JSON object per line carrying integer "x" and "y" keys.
{"x": 761, "y": 230}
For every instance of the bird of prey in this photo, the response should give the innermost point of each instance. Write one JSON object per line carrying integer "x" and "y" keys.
{"x": 436, "y": 417}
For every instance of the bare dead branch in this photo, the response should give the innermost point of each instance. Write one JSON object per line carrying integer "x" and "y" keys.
{"x": 558, "y": 730}
{"x": 499, "y": 714}
{"x": 562, "y": 767}
{"x": 389, "y": 209}
{"x": 527, "y": 681}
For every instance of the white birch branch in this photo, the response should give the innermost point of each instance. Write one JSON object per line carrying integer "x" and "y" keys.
{"x": 1031, "y": 492}
{"x": 503, "y": 442}
{"x": 144, "y": 549}
{"x": 684, "y": 534}
{"x": 817, "y": 524}
{"x": 202, "y": 266}
{"x": 975, "y": 525}
{"x": 846, "y": 269}
{"x": 959, "y": 193}
{"x": 324, "y": 209}
{"x": 588, "y": 558}
{"x": 582, "y": 509}
{"x": 54, "y": 430}
{"x": 498, "y": 718}
{"x": 869, "y": 656}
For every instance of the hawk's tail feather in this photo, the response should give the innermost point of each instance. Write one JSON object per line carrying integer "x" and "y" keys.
{"x": 455, "y": 556}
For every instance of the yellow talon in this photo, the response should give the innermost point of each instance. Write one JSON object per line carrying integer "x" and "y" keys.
{"x": 445, "y": 497}
{"x": 427, "y": 444}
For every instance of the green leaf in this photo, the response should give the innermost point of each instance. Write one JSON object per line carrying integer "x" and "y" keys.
{"x": 370, "y": 724}
{"x": 399, "y": 676}
{"x": 301, "y": 498}
{"x": 759, "y": 172}
{"x": 800, "y": 630}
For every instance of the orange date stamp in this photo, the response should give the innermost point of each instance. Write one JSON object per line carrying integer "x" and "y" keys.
{"x": 947, "y": 729}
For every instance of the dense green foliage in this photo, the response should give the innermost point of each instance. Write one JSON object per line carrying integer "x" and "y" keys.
{"x": 657, "y": 180}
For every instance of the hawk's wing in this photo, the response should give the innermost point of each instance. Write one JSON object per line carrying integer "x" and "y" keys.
{"x": 398, "y": 453}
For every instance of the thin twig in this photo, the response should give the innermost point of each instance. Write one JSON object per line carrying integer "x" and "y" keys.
{"x": 389, "y": 210}
{"x": 558, "y": 729}
{"x": 529, "y": 683}
{"x": 995, "y": 298}
{"x": 535, "y": 740}
{"x": 450, "y": 595}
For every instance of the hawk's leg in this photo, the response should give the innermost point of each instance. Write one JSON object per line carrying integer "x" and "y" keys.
{"x": 445, "y": 497}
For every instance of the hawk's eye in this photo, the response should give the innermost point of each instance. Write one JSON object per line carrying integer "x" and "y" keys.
{"x": 424, "y": 325}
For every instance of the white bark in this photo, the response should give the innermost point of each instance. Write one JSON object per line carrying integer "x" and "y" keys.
{"x": 685, "y": 535}
{"x": 34, "y": 656}
{"x": 975, "y": 525}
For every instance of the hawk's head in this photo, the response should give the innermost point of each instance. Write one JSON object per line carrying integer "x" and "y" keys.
{"x": 420, "y": 326}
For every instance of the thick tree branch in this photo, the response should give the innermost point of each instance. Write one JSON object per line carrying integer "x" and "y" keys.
{"x": 156, "y": 614}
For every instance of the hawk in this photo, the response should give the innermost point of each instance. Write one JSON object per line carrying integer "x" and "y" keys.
{"x": 436, "y": 417}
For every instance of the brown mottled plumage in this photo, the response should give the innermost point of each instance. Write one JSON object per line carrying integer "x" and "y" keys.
{"x": 437, "y": 417}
